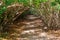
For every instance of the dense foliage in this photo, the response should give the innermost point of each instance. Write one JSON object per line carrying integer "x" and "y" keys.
{"x": 6, "y": 3}
{"x": 48, "y": 10}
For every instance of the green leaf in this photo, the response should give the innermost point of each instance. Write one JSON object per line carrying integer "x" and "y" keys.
{"x": 58, "y": 1}
{"x": 3, "y": 9}
{"x": 25, "y": 2}
{"x": 20, "y": 1}
{"x": 36, "y": 3}
{"x": 8, "y": 2}
{"x": 43, "y": 0}
{"x": 53, "y": 4}
{"x": 58, "y": 7}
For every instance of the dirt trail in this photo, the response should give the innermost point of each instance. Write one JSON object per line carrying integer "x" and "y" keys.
{"x": 32, "y": 28}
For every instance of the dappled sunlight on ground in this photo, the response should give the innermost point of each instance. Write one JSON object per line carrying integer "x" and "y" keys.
{"x": 32, "y": 30}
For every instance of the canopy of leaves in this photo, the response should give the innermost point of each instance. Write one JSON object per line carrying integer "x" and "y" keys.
{"x": 8, "y": 2}
{"x": 26, "y": 2}
{"x": 56, "y": 3}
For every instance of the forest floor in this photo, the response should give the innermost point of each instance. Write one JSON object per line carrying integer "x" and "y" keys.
{"x": 31, "y": 28}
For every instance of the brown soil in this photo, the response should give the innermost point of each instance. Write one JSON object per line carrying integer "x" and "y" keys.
{"x": 31, "y": 28}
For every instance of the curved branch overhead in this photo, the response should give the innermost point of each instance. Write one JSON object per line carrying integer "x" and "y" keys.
{"x": 14, "y": 11}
